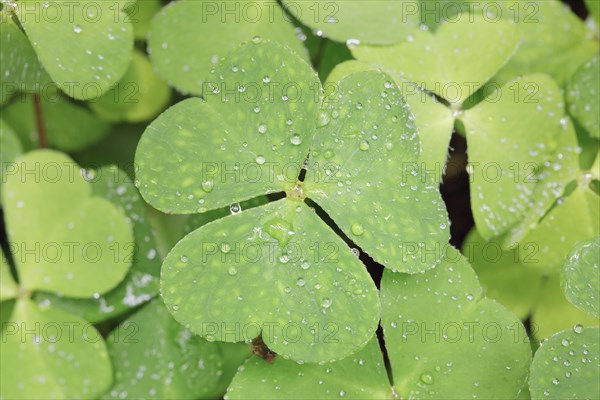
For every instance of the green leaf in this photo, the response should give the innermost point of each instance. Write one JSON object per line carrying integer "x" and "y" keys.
{"x": 434, "y": 121}
{"x": 8, "y": 286}
{"x": 375, "y": 22}
{"x": 567, "y": 366}
{"x": 554, "y": 313}
{"x": 503, "y": 182}
{"x": 360, "y": 376}
{"x": 85, "y": 47}
{"x": 188, "y": 37}
{"x": 141, "y": 282}
{"x": 368, "y": 131}
{"x": 553, "y": 40}
{"x": 582, "y": 96}
{"x": 154, "y": 357}
{"x": 452, "y": 63}
{"x": 593, "y": 7}
{"x": 141, "y": 14}
{"x": 445, "y": 340}
{"x": 581, "y": 276}
{"x": 140, "y": 95}
{"x": 248, "y": 138}
{"x": 505, "y": 275}
{"x": 570, "y": 221}
{"x": 68, "y": 126}
{"x": 64, "y": 239}
{"x": 275, "y": 269}
{"x": 19, "y": 66}
{"x": 10, "y": 149}
{"x": 49, "y": 354}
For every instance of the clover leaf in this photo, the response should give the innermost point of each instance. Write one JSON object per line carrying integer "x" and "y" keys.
{"x": 444, "y": 340}
{"x": 582, "y": 96}
{"x": 52, "y": 355}
{"x": 74, "y": 243}
{"x": 8, "y": 287}
{"x": 452, "y": 63}
{"x": 139, "y": 95}
{"x": 580, "y": 279}
{"x": 141, "y": 282}
{"x": 99, "y": 38}
{"x": 19, "y": 65}
{"x": 11, "y": 148}
{"x": 154, "y": 357}
{"x": 567, "y": 365}
{"x": 518, "y": 279}
{"x": 375, "y": 22}
{"x": 173, "y": 39}
{"x": 198, "y": 173}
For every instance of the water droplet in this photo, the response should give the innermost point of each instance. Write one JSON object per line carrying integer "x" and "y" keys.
{"x": 326, "y": 303}
{"x": 364, "y": 145}
{"x": 208, "y": 186}
{"x": 352, "y": 43}
{"x": 235, "y": 208}
{"x": 232, "y": 271}
{"x": 184, "y": 259}
{"x": 323, "y": 119}
{"x": 357, "y": 229}
{"x": 578, "y": 328}
{"x": 427, "y": 378}
{"x": 77, "y": 29}
{"x": 266, "y": 79}
{"x": 296, "y": 139}
{"x": 328, "y": 153}
{"x": 225, "y": 248}
{"x": 256, "y": 39}
{"x": 300, "y": 282}
{"x": 305, "y": 265}
{"x": 280, "y": 230}
{"x": 260, "y": 160}
{"x": 565, "y": 342}
{"x": 262, "y": 128}
{"x": 555, "y": 381}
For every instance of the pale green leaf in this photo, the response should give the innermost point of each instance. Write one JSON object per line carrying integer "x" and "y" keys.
{"x": 19, "y": 66}
{"x": 188, "y": 37}
{"x": 553, "y": 312}
{"x": 141, "y": 282}
{"x": 154, "y": 357}
{"x": 452, "y": 63}
{"x": 593, "y": 7}
{"x": 140, "y": 14}
{"x": 567, "y": 366}
{"x": 373, "y": 22}
{"x": 502, "y": 182}
{"x": 8, "y": 286}
{"x": 368, "y": 141}
{"x": 583, "y": 96}
{"x": 49, "y": 354}
{"x": 276, "y": 270}
{"x": 360, "y": 376}
{"x": 581, "y": 276}
{"x": 139, "y": 96}
{"x": 64, "y": 239}
{"x": 85, "y": 46}
{"x": 248, "y": 138}
{"x": 505, "y": 275}
{"x": 68, "y": 126}
{"x": 445, "y": 341}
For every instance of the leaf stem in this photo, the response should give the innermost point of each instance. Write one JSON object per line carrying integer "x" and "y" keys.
{"x": 39, "y": 121}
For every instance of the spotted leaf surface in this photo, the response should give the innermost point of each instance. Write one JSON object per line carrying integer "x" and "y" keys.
{"x": 176, "y": 30}
{"x": 567, "y": 366}
{"x": 250, "y": 136}
{"x": 99, "y": 40}
{"x": 581, "y": 278}
{"x": 368, "y": 141}
{"x": 77, "y": 235}
{"x": 360, "y": 376}
{"x": 141, "y": 282}
{"x": 276, "y": 270}
{"x": 375, "y": 22}
{"x": 452, "y": 63}
{"x": 19, "y": 65}
{"x": 502, "y": 182}
{"x": 66, "y": 359}
{"x": 440, "y": 340}
{"x": 154, "y": 357}
{"x": 139, "y": 96}
{"x": 583, "y": 95}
